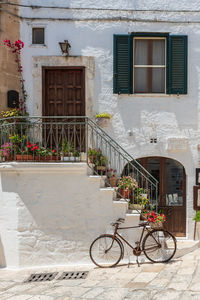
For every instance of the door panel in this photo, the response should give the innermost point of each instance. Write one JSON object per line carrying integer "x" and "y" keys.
{"x": 64, "y": 95}
{"x": 64, "y": 92}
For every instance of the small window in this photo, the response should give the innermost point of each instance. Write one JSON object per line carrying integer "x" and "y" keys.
{"x": 38, "y": 36}
{"x": 149, "y": 65}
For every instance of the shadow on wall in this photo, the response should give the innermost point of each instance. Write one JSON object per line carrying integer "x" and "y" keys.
{"x": 2, "y": 256}
{"x": 58, "y": 206}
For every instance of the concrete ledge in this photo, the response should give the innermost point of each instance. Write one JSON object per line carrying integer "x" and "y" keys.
{"x": 32, "y": 167}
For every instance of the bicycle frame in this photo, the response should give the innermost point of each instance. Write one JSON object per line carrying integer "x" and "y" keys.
{"x": 129, "y": 227}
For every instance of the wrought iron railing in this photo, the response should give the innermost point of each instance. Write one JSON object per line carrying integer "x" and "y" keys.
{"x": 67, "y": 139}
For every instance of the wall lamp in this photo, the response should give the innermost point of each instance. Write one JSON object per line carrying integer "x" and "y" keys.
{"x": 65, "y": 46}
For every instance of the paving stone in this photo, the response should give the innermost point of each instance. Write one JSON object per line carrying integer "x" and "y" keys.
{"x": 41, "y": 297}
{"x": 153, "y": 268}
{"x": 136, "y": 285}
{"x": 190, "y": 295}
{"x": 20, "y": 297}
{"x": 94, "y": 293}
{"x": 145, "y": 276}
{"x": 169, "y": 294}
{"x": 195, "y": 286}
{"x": 66, "y": 291}
{"x": 139, "y": 294}
{"x": 114, "y": 294}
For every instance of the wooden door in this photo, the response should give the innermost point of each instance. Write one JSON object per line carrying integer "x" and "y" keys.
{"x": 64, "y": 91}
{"x": 171, "y": 192}
{"x": 64, "y": 95}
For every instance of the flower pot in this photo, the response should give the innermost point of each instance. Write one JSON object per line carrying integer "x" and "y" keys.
{"x": 24, "y": 157}
{"x": 100, "y": 170}
{"x": 136, "y": 206}
{"x": 125, "y": 193}
{"x": 27, "y": 157}
{"x": 103, "y": 122}
{"x": 158, "y": 225}
{"x": 112, "y": 181}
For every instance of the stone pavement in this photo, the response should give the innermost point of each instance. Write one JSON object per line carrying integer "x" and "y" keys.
{"x": 179, "y": 279}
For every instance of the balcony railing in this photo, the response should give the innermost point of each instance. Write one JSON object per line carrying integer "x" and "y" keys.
{"x": 74, "y": 139}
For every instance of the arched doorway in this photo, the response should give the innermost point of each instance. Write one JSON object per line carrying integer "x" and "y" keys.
{"x": 172, "y": 190}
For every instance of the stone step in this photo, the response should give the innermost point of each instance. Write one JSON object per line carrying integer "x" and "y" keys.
{"x": 186, "y": 246}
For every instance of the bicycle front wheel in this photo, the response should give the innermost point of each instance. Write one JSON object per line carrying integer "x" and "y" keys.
{"x": 106, "y": 251}
{"x": 159, "y": 246}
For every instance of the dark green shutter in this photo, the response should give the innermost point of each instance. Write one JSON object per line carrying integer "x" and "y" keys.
{"x": 177, "y": 65}
{"x": 122, "y": 83}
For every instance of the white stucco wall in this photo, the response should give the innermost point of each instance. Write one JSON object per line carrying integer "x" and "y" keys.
{"x": 50, "y": 213}
{"x": 90, "y": 33}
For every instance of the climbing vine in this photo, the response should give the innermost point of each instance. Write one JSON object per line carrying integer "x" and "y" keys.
{"x": 16, "y": 48}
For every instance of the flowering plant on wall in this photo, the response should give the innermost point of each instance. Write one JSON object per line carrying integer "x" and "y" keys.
{"x": 16, "y": 48}
{"x": 5, "y": 149}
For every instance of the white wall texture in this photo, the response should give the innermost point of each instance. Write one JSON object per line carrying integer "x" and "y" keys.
{"x": 50, "y": 213}
{"x": 90, "y": 33}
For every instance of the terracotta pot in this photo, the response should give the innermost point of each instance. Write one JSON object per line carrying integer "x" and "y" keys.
{"x": 27, "y": 157}
{"x": 125, "y": 193}
{"x": 18, "y": 157}
{"x": 113, "y": 181}
{"x": 24, "y": 157}
{"x": 55, "y": 157}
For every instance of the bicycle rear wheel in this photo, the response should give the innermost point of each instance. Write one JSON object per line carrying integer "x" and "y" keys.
{"x": 159, "y": 246}
{"x": 106, "y": 251}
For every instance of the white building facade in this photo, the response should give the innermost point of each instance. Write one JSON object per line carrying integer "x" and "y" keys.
{"x": 138, "y": 61}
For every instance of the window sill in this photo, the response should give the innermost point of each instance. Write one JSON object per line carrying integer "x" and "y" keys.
{"x": 38, "y": 46}
{"x": 150, "y": 95}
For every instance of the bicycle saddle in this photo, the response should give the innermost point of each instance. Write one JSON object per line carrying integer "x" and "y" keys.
{"x": 120, "y": 220}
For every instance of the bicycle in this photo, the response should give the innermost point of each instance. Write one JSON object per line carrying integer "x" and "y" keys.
{"x": 158, "y": 245}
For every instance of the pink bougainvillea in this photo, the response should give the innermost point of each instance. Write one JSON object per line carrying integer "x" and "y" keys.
{"x": 16, "y": 48}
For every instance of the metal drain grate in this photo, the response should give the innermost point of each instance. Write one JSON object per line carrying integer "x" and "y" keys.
{"x": 74, "y": 275}
{"x": 41, "y": 277}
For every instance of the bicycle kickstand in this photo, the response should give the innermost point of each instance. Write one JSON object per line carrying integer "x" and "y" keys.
{"x": 138, "y": 263}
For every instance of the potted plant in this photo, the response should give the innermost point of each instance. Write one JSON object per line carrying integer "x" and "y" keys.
{"x": 112, "y": 179}
{"x": 93, "y": 153}
{"x": 139, "y": 199}
{"x": 5, "y": 151}
{"x": 155, "y": 220}
{"x": 197, "y": 225}
{"x": 18, "y": 142}
{"x": 68, "y": 153}
{"x": 126, "y": 184}
{"x": 100, "y": 164}
{"x": 102, "y": 119}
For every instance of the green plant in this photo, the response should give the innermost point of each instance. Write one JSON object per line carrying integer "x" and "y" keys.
{"x": 100, "y": 161}
{"x": 67, "y": 147}
{"x": 197, "y": 216}
{"x": 103, "y": 115}
{"x": 127, "y": 182}
{"x": 94, "y": 152}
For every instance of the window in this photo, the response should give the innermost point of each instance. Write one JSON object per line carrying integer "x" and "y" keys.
{"x": 38, "y": 36}
{"x": 150, "y": 63}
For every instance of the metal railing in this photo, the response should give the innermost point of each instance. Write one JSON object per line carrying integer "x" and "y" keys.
{"x": 78, "y": 138}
